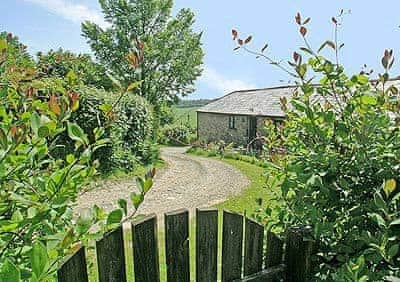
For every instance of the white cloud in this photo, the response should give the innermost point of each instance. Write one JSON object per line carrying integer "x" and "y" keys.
{"x": 73, "y": 12}
{"x": 221, "y": 83}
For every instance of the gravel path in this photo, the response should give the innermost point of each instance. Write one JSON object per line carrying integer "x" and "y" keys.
{"x": 186, "y": 182}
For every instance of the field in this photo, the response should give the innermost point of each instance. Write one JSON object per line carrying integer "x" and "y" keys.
{"x": 185, "y": 115}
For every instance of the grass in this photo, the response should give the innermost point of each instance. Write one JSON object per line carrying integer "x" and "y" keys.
{"x": 259, "y": 189}
{"x": 184, "y": 115}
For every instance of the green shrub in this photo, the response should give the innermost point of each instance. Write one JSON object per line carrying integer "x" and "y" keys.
{"x": 39, "y": 190}
{"x": 176, "y": 134}
{"x": 342, "y": 166}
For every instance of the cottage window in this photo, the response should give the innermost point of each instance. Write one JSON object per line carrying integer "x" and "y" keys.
{"x": 232, "y": 122}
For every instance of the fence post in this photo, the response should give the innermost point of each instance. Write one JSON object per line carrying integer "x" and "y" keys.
{"x": 298, "y": 254}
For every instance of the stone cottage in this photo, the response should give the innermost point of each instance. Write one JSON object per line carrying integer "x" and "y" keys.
{"x": 237, "y": 116}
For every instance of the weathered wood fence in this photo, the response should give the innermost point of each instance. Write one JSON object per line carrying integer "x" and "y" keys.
{"x": 244, "y": 254}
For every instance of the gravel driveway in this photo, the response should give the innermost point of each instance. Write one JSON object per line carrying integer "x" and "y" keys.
{"x": 186, "y": 182}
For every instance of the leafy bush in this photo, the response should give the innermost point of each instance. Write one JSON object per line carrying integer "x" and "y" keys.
{"x": 89, "y": 117}
{"x": 342, "y": 164}
{"x": 39, "y": 191}
{"x": 176, "y": 134}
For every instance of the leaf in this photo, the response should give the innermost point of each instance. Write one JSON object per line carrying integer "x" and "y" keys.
{"x": 395, "y": 222}
{"x": 70, "y": 158}
{"x": 334, "y": 20}
{"x": 234, "y": 34}
{"x": 303, "y": 31}
{"x": 39, "y": 258}
{"x": 236, "y": 48}
{"x": 68, "y": 239}
{"x": 147, "y": 185}
{"x": 114, "y": 217}
{"x": 53, "y": 105}
{"x": 389, "y": 187}
{"x": 306, "y": 50}
{"x": 123, "y": 205}
{"x": 296, "y": 56}
{"x": 43, "y": 131}
{"x": 298, "y": 18}
{"x": 74, "y": 97}
{"x": 9, "y": 272}
{"x": 331, "y": 44}
{"x": 379, "y": 202}
{"x": 35, "y": 122}
{"x": 3, "y": 45}
{"x": 76, "y": 133}
{"x": 248, "y": 39}
{"x": 307, "y": 21}
{"x": 378, "y": 219}
{"x": 134, "y": 85}
{"x": 114, "y": 80}
{"x": 105, "y": 107}
{"x": 240, "y": 42}
{"x": 393, "y": 250}
{"x": 133, "y": 60}
{"x": 264, "y": 48}
{"x": 140, "y": 184}
{"x": 3, "y": 139}
{"x": 368, "y": 100}
{"x": 392, "y": 279}
{"x": 136, "y": 199}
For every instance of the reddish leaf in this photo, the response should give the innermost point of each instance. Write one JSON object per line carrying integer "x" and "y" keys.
{"x": 303, "y": 31}
{"x": 298, "y": 19}
{"x": 74, "y": 99}
{"x": 296, "y": 56}
{"x": 133, "y": 60}
{"x": 13, "y": 131}
{"x": 234, "y": 34}
{"x": 140, "y": 45}
{"x": 240, "y": 42}
{"x": 29, "y": 92}
{"x": 331, "y": 44}
{"x": 334, "y": 20}
{"x": 53, "y": 105}
{"x": 248, "y": 39}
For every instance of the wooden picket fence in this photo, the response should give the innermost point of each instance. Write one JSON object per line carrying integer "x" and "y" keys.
{"x": 244, "y": 254}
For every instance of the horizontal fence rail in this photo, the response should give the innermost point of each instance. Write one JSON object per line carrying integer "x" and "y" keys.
{"x": 247, "y": 251}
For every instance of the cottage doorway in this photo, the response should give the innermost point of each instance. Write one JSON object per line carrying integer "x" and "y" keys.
{"x": 252, "y": 128}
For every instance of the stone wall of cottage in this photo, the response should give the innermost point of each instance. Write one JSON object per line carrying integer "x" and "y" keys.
{"x": 215, "y": 127}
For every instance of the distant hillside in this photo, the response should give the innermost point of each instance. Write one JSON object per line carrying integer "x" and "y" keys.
{"x": 193, "y": 103}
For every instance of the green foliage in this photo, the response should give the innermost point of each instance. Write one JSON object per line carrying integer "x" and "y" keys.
{"x": 342, "y": 164}
{"x": 177, "y": 134}
{"x": 146, "y": 43}
{"x": 14, "y": 53}
{"x": 132, "y": 132}
{"x": 38, "y": 189}
{"x": 78, "y": 69}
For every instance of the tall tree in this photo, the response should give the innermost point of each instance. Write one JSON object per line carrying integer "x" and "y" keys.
{"x": 164, "y": 50}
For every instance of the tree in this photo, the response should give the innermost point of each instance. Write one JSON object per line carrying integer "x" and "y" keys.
{"x": 165, "y": 52}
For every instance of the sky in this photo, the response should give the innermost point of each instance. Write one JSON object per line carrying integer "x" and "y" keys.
{"x": 369, "y": 27}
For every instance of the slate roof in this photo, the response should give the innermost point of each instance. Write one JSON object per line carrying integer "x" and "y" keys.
{"x": 255, "y": 102}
